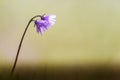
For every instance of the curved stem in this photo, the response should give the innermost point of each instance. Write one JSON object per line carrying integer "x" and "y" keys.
{"x": 19, "y": 47}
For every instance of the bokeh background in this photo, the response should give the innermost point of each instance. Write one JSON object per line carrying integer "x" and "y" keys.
{"x": 86, "y": 33}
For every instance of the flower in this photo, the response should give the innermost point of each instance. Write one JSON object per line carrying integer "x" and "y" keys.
{"x": 46, "y": 22}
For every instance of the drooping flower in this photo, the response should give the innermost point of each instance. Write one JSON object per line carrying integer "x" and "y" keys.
{"x": 44, "y": 23}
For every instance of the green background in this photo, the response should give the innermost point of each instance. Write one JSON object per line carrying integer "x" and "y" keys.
{"x": 87, "y": 32}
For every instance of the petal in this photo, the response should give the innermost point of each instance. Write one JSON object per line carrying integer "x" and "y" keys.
{"x": 41, "y": 31}
{"x": 52, "y": 23}
{"x": 44, "y": 17}
{"x": 52, "y": 16}
{"x": 37, "y": 29}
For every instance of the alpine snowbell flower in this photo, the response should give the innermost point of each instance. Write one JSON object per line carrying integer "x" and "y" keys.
{"x": 42, "y": 24}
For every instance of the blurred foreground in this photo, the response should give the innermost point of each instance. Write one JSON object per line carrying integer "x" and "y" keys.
{"x": 63, "y": 73}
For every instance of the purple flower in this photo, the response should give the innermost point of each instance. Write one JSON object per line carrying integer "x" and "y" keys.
{"x": 46, "y": 22}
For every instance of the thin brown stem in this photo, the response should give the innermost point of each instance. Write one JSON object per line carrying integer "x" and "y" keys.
{"x": 19, "y": 47}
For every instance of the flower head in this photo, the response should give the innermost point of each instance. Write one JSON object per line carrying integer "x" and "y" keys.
{"x": 46, "y": 22}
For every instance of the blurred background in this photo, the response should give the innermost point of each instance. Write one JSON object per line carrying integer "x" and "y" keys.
{"x": 86, "y": 33}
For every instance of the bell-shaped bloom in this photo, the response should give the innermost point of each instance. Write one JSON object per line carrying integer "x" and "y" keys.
{"x": 45, "y": 23}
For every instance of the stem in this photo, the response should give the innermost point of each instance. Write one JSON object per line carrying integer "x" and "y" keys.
{"x": 19, "y": 47}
